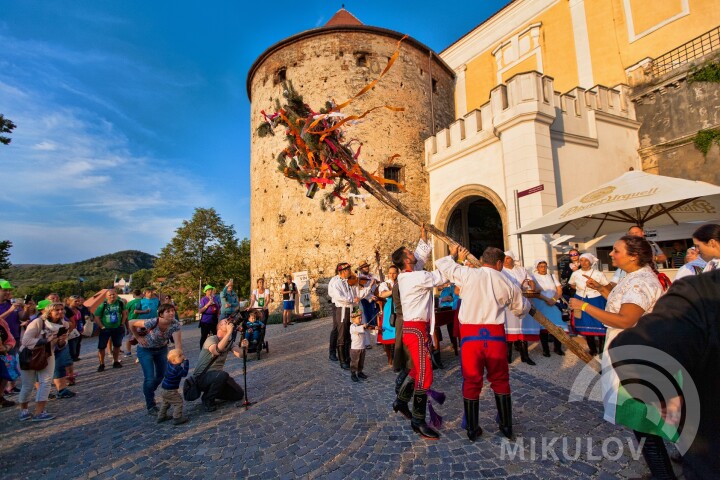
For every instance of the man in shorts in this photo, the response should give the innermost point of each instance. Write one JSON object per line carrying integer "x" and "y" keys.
{"x": 111, "y": 318}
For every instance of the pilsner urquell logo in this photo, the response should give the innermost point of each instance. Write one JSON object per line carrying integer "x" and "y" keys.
{"x": 603, "y": 196}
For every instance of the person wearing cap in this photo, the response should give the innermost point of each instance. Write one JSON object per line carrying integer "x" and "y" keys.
{"x": 12, "y": 313}
{"x": 344, "y": 297}
{"x": 8, "y": 344}
{"x": 209, "y": 313}
{"x": 416, "y": 287}
{"x": 519, "y": 330}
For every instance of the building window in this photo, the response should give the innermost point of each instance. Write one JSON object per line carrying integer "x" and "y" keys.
{"x": 434, "y": 86}
{"x": 361, "y": 59}
{"x": 395, "y": 174}
{"x": 280, "y": 76}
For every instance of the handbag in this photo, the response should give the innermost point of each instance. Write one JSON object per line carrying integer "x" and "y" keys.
{"x": 191, "y": 386}
{"x": 35, "y": 358}
{"x": 88, "y": 329}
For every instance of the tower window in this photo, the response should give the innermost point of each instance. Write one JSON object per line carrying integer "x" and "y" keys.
{"x": 434, "y": 85}
{"x": 392, "y": 173}
{"x": 361, "y": 59}
{"x": 280, "y": 75}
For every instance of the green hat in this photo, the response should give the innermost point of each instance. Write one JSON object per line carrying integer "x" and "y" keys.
{"x": 5, "y": 285}
{"x": 43, "y": 304}
{"x": 208, "y": 287}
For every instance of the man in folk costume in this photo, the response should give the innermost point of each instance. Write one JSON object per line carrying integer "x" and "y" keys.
{"x": 519, "y": 330}
{"x": 416, "y": 297}
{"x": 344, "y": 296}
{"x": 486, "y": 295}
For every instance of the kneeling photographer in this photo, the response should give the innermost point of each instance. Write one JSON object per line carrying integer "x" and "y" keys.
{"x": 212, "y": 380}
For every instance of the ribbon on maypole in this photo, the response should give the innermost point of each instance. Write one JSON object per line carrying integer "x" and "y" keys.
{"x": 319, "y": 157}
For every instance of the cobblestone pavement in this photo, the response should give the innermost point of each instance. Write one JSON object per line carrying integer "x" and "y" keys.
{"x": 311, "y": 421}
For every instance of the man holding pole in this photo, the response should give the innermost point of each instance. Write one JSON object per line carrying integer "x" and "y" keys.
{"x": 482, "y": 330}
{"x": 416, "y": 296}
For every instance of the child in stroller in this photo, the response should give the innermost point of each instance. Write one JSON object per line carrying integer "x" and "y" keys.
{"x": 255, "y": 333}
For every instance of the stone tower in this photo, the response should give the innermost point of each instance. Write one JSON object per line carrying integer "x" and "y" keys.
{"x": 289, "y": 232}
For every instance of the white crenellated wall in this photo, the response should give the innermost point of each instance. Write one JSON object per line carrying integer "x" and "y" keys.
{"x": 529, "y": 135}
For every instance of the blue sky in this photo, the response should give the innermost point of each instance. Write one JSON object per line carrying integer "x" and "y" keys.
{"x": 130, "y": 114}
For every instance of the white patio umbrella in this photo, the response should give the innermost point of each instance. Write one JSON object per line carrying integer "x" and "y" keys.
{"x": 634, "y": 198}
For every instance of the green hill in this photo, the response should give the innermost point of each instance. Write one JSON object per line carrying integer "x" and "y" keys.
{"x": 99, "y": 268}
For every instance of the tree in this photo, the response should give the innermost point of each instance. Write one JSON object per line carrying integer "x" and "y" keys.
{"x": 6, "y": 126}
{"x": 5, "y": 246}
{"x": 204, "y": 250}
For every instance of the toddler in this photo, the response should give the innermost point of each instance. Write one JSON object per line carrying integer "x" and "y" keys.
{"x": 177, "y": 368}
{"x": 357, "y": 346}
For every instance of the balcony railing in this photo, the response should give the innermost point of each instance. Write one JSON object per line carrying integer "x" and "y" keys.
{"x": 695, "y": 48}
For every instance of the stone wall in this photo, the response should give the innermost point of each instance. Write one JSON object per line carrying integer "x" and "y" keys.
{"x": 672, "y": 110}
{"x": 288, "y": 231}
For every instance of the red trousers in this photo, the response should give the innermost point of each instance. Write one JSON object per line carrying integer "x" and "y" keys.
{"x": 483, "y": 348}
{"x": 416, "y": 339}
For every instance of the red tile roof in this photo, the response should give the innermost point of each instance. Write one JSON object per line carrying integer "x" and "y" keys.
{"x": 343, "y": 17}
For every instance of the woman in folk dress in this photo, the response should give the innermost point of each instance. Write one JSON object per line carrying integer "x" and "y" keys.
{"x": 587, "y": 325}
{"x": 631, "y": 298}
{"x": 547, "y": 285}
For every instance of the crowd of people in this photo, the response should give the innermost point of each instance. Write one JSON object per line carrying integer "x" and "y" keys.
{"x": 41, "y": 342}
{"x": 496, "y": 304}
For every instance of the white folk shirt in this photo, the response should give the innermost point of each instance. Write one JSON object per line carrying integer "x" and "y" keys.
{"x": 371, "y": 290}
{"x": 385, "y": 286}
{"x": 357, "y": 337}
{"x": 581, "y": 289}
{"x": 342, "y": 294}
{"x": 486, "y": 293}
{"x": 416, "y": 289}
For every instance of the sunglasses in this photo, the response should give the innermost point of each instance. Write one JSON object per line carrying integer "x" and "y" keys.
{"x": 574, "y": 254}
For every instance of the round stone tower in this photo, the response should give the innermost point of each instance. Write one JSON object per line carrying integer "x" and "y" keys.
{"x": 288, "y": 231}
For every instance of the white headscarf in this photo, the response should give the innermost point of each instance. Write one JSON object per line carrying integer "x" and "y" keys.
{"x": 512, "y": 255}
{"x": 592, "y": 258}
{"x": 538, "y": 262}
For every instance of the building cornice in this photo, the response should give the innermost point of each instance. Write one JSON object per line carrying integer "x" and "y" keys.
{"x": 335, "y": 29}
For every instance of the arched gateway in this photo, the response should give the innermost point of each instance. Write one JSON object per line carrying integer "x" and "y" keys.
{"x": 474, "y": 216}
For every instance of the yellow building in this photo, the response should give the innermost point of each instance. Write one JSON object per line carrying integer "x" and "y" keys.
{"x": 576, "y": 42}
{"x": 542, "y": 104}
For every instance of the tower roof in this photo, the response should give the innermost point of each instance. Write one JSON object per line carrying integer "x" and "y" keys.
{"x": 343, "y": 17}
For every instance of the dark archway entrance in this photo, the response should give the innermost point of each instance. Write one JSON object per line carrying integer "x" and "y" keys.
{"x": 476, "y": 223}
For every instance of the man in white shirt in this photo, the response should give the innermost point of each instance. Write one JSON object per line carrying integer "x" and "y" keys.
{"x": 344, "y": 297}
{"x": 486, "y": 296}
{"x": 418, "y": 308}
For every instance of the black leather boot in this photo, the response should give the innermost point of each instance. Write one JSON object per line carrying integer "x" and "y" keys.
{"x": 656, "y": 456}
{"x": 509, "y": 351}
{"x": 504, "y": 408}
{"x": 558, "y": 347}
{"x": 524, "y": 355}
{"x": 344, "y": 361}
{"x": 333, "y": 356}
{"x": 472, "y": 414}
{"x": 544, "y": 341}
{"x": 436, "y": 360}
{"x": 418, "y": 417}
{"x": 399, "y": 380}
{"x": 405, "y": 393}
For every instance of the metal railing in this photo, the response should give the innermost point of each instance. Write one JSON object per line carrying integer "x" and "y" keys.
{"x": 695, "y": 48}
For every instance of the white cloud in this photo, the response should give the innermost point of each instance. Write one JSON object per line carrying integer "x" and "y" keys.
{"x": 75, "y": 185}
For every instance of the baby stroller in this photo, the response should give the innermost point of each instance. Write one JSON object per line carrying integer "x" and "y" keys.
{"x": 255, "y": 333}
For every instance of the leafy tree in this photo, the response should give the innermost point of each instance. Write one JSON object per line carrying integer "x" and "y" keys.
{"x": 6, "y": 126}
{"x": 5, "y": 246}
{"x": 204, "y": 250}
